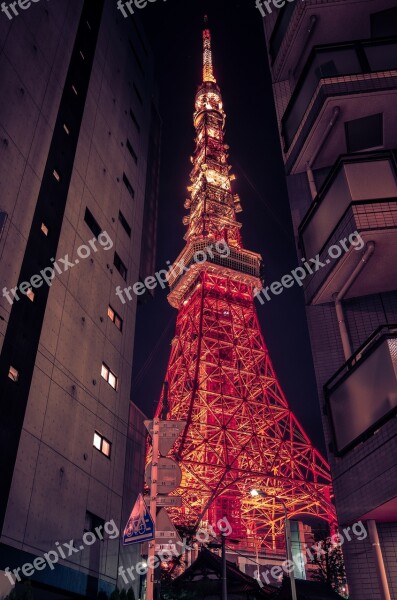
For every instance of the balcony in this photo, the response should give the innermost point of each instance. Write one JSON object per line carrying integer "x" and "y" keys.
{"x": 362, "y": 395}
{"x": 360, "y": 194}
{"x": 339, "y": 73}
{"x": 301, "y": 25}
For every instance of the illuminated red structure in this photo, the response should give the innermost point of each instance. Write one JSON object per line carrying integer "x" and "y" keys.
{"x": 240, "y": 432}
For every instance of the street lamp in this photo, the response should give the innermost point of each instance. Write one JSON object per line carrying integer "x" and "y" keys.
{"x": 255, "y": 493}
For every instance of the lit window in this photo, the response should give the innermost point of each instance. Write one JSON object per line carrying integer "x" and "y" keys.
{"x": 56, "y": 175}
{"x": 109, "y": 376}
{"x": 44, "y": 228}
{"x": 106, "y": 447}
{"x": 115, "y": 318}
{"x": 112, "y": 380}
{"x": 30, "y": 294}
{"x": 13, "y": 374}
{"x": 97, "y": 441}
{"x": 66, "y": 128}
{"x": 102, "y": 444}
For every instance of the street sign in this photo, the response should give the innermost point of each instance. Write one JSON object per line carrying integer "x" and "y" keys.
{"x": 169, "y": 475}
{"x": 169, "y": 501}
{"x": 140, "y": 526}
{"x": 168, "y": 433}
{"x": 167, "y": 537}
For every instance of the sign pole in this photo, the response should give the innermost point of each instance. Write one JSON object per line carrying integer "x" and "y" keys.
{"x": 153, "y": 505}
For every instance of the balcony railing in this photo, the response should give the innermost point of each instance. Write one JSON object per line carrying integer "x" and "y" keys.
{"x": 336, "y": 60}
{"x": 362, "y": 395}
{"x": 369, "y": 177}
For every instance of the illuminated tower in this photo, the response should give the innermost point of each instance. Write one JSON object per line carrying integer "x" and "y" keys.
{"x": 240, "y": 432}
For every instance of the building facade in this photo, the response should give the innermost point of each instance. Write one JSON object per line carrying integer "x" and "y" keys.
{"x": 78, "y": 123}
{"x": 334, "y": 74}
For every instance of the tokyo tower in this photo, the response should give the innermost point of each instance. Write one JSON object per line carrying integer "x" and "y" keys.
{"x": 240, "y": 433}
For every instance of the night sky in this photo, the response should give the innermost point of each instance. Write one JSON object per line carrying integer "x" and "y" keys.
{"x": 240, "y": 63}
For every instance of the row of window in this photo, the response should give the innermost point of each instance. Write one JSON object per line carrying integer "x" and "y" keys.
{"x": 97, "y": 229}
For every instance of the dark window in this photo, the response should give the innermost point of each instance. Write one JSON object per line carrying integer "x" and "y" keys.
{"x": 384, "y": 23}
{"x": 134, "y": 120}
{"x": 3, "y": 220}
{"x": 91, "y": 222}
{"x": 138, "y": 33}
{"x": 138, "y": 61}
{"x": 128, "y": 185}
{"x": 120, "y": 266}
{"x": 364, "y": 133}
{"x": 124, "y": 223}
{"x": 138, "y": 94}
{"x": 132, "y": 152}
{"x": 92, "y": 522}
{"x": 115, "y": 318}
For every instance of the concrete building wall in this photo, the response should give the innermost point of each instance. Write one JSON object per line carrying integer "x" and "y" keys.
{"x": 61, "y": 483}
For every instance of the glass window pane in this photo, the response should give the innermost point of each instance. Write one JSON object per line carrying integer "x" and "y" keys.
{"x": 106, "y": 448}
{"x": 111, "y": 313}
{"x": 97, "y": 441}
{"x": 112, "y": 380}
{"x": 105, "y": 372}
{"x": 13, "y": 374}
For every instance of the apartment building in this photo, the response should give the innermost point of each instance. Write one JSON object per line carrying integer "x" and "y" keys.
{"x": 79, "y": 151}
{"x": 334, "y": 73}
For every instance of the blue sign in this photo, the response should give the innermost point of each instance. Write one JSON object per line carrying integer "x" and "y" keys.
{"x": 140, "y": 526}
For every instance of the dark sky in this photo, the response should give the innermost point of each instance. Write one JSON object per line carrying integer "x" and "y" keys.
{"x": 240, "y": 62}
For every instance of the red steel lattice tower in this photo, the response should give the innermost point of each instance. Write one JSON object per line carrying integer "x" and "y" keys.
{"x": 240, "y": 432}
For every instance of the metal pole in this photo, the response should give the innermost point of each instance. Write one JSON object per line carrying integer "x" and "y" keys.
{"x": 289, "y": 551}
{"x": 153, "y": 507}
{"x": 224, "y": 572}
{"x": 379, "y": 564}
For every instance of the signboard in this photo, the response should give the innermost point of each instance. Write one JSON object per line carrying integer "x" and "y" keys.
{"x": 140, "y": 526}
{"x": 169, "y": 475}
{"x": 169, "y": 501}
{"x": 168, "y": 433}
{"x": 167, "y": 537}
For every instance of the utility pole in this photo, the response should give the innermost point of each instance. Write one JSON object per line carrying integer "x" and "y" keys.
{"x": 153, "y": 508}
{"x": 224, "y": 571}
